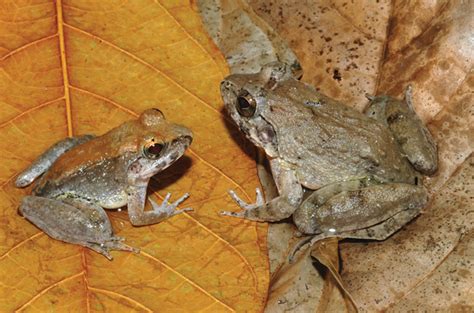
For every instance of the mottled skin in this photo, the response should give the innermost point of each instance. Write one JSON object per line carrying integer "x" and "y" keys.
{"x": 338, "y": 172}
{"x": 79, "y": 177}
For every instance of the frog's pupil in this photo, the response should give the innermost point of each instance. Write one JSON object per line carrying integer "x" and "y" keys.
{"x": 155, "y": 149}
{"x": 243, "y": 103}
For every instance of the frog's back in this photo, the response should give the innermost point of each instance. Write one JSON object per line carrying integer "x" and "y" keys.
{"x": 95, "y": 169}
{"x": 339, "y": 143}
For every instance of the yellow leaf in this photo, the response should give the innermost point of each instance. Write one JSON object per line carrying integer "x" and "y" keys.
{"x": 77, "y": 67}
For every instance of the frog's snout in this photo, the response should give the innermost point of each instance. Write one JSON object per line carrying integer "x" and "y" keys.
{"x": 186, "y": 139}
{"x": 225, "y": 84}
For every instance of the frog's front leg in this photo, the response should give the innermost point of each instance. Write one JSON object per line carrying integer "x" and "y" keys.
{"x": 334, "y": 212}
{"x": 45, "y": 160}
{"x": 136, "y": 206}
{"x": 75, "y": 221}
{"x": 281, "y": 207}
{"x": 413, "y": 137}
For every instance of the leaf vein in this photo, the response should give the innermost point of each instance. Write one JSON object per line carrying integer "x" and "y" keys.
{"x": 196, "y": 42}
{"x": 36, "y": 107}
{"x": 45, "y": 290}
{"x": 21, "y": 243}
{"x": 187, "y": 279}
{"x": 119, "y": 295}
{"x": 62, "y": 50}
{"x": 143, "y": 62}
{"x": 26, "y": 46}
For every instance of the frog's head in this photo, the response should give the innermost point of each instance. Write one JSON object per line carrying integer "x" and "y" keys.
{"x": 246, "y": 99}
{"x": 160, "y": 143}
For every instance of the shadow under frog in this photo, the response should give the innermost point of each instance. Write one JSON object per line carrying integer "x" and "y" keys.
{"x": 75, "y": 179}
{"x": 363, "y": 171}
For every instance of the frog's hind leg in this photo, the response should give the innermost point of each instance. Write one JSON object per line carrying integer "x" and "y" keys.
{"x": 74, "y": 221}
{"x": 44, "y": 161}
{"x": 378, "y": 218}
{"x": 384, "y": 230}
{"x": 352, "y": 209}
{"x": 379, "y": 231}
{"x": 413, "y": 137}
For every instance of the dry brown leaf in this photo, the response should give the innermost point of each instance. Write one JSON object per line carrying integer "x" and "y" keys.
{"x": 348, "y": 49}
{"x": 339, "y": 43}
{"x": 75, "y": 67}
{"x": 246, "y": 41}
{"x": 308, "y": 283}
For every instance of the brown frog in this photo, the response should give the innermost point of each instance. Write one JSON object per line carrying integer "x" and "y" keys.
{"x": 338, "y": 172}
{"x": 79, "y": 176}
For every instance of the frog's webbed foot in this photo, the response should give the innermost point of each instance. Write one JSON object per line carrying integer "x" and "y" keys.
{"x": 114, "y": 243}
{"x": 244, "y": 205}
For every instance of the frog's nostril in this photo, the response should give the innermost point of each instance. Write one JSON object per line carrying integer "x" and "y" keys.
{"x": 226, "y": 84}
{"x": 185, "y": 138}
{"x": 188, "y": 138}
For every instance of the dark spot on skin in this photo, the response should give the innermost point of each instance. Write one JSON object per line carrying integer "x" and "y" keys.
{"x": 371, "y": 165}
{"x": 402, "y": 140}
{"x": 174, "y": 155}
{"x": 271, "y": 83}
{"x": 392, "y": 118}
{"x": 135, "y": 168}
{"x": 337, "y": 75}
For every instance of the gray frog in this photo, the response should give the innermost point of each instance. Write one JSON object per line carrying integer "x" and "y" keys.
{"x": 361, "y": 172}
{"x": 80, "y": 176}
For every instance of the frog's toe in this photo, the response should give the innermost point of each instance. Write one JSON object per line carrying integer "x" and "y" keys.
{"x": 260, "y": 201}
{"x": 236, "y": 198}
{"x": 116, "y": 243}
{"x": 100, "y": 248}
{"x": 172, "y": 211}
{"x": 247, "y": 206}
{"x": 169, "y": 208}
{"x": 240, "y": 202}
{"x": 180, "y": 200}
{"x": 184, "y": 210}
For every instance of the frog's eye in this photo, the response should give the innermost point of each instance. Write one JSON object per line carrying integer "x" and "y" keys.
{"x": 246, "y": 104}
{"x": 153, "y": 149}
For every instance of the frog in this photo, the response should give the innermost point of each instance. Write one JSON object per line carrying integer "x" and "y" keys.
{"x": 78, "y": 177}
{"x": 338, "y": 172}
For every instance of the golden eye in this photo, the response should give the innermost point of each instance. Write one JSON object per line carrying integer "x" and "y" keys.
{"x": 246, "y": 104}
{"x": 153, "y": 149}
